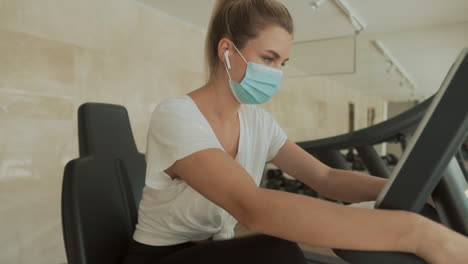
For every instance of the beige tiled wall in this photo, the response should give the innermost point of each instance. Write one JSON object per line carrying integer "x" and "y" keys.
{"x": 317, "y": 107}
{"x": 55, "y": 55}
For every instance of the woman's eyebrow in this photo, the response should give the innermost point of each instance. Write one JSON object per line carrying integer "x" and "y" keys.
{"x": 276, "y": 55}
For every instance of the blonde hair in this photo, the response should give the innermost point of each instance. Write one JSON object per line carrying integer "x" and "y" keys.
{"x": 240, "y": 21}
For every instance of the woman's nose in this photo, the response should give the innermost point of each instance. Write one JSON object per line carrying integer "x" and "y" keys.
{"x": 278, "y": 65}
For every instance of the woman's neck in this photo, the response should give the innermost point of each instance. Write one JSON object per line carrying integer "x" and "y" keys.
{"x": 216, "y": 100}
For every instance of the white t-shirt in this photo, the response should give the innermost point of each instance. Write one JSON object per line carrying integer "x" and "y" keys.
{"x": 171, "y": 211}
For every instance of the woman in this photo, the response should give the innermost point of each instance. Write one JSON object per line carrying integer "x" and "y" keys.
{"x": 206, "y": 152}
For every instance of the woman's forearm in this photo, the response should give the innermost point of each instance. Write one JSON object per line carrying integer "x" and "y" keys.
{"x": 350, "y": 186}
{"x": 319, "y": 223}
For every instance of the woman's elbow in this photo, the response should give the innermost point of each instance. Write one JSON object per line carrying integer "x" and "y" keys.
{"x": 247, "y": 213}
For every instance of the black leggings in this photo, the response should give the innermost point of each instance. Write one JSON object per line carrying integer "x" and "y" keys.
{"x": 252, "y": 249}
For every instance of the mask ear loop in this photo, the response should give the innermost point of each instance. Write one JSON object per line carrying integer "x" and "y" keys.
{"x": 239, "y": 52}
{"x": 227, "y": 60}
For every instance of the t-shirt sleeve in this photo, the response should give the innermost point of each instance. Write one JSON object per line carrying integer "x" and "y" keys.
{"x": 277, "y": 135}
{"x": 176, "y": 130}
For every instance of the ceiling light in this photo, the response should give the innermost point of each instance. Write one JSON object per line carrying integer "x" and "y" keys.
{"x": 356, "y": 21}
{"x": 316, "y": 4}
{"x": 395, "y": 66}
{"x": 390, "y": 68}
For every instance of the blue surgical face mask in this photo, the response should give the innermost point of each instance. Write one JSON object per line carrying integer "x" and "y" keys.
{"x": 259, "y": 84}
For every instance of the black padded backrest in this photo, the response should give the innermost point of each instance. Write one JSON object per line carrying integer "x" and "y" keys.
{"x": 102, "y": 189}
{"x": 104, "y": 130}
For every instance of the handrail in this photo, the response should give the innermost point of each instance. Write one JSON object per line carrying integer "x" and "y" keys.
{"x": 381, "y": 132}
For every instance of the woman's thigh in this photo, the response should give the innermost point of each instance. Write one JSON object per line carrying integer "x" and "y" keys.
{"x": 255, "y": 249}
{"x": 139, "y": 253}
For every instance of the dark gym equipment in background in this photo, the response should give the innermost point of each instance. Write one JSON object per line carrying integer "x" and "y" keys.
{"x": 439, "y": 125}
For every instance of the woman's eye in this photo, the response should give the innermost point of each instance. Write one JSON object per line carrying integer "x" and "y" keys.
{"x": 268, "y": 59}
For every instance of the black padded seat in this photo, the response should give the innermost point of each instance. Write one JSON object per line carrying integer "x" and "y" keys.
{"x": 101, "y": 189}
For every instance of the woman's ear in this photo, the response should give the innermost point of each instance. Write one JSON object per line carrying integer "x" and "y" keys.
{"x": 223, "y": 51}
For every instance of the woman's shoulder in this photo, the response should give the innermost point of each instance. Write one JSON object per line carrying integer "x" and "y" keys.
{"x": 177, "y": 113}
{"x": 173, "y": 104}
{"x": 174, "y": 111}
{"x": 176, "y": 108}
{"x": 255, "y": 112}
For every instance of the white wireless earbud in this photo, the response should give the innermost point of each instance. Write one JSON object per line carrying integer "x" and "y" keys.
{"x": 226, "y": 56}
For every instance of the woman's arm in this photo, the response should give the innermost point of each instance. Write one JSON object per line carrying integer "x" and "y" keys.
{"x": 336, "y": 184}
{"x": 311, "y": 221}
{"x": 351, "y": 186}
{"x": 295, "y": 217}
{"x": 320, "y": 223}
